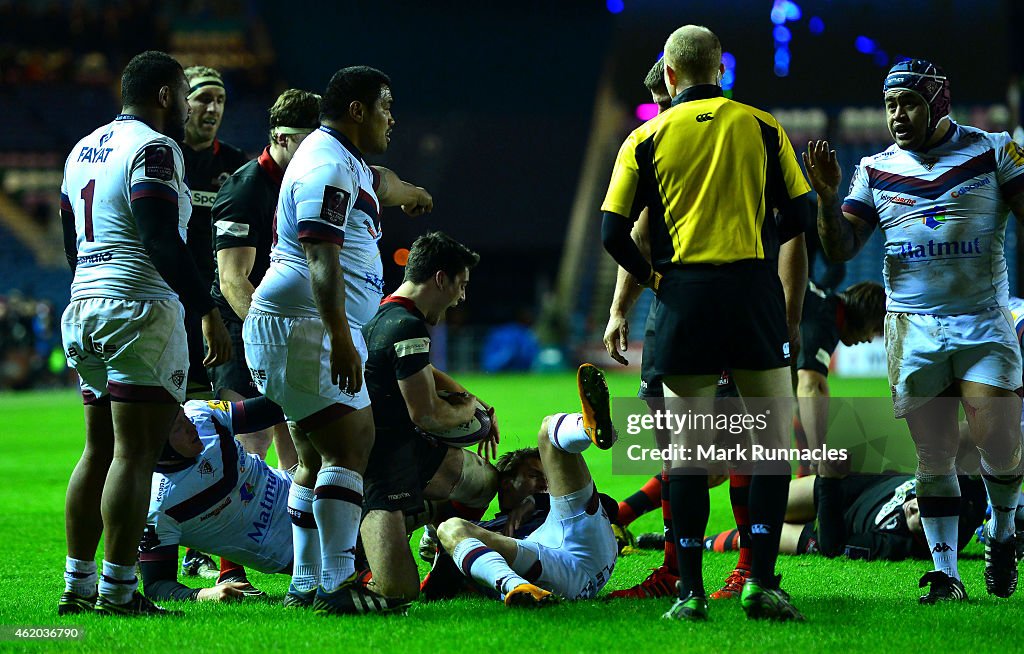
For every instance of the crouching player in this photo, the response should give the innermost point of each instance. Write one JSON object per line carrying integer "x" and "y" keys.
{"x": 573, "y": 553}
{"x": 405, "y": 467}
{"x": 209, "y": 494}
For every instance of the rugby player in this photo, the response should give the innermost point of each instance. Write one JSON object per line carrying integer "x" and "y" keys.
{"x": 405, "y": 466}
{"x": 208, "y": 164}
{"x": 302, "y": 335}
{"x": 751, "y": 338}
{"x": 573, "y": 553}
{"x": 209, "y": 493}
{"x": 243, "y": 233}
{"x": 125, "y": 210}
{"x": 941, "y": 195}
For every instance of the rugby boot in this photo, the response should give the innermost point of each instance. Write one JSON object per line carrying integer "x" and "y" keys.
{"x": 138, "y": 605}
{"x": 352, "y": 597}
{"x": 660, "y": 583}
{"x": 597, "y": 410}
{"x": 1000, "y": 567}
{"x": 693, "y": 608}
{"x": 72, "y": 603}
{"x": 763, "y": 602}
{"x": 733, "y": 586}
{"x": 943, "y": 588}
{"x": 529, "y": 596}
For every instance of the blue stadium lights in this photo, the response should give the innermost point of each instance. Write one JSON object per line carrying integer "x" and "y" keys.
{"x": 864, "y": 45}
{"x": 816, "y": 25}
{"x": 615, "y": 6}
{"x": 729, "y": 76}
{"x": 783, "y": 11}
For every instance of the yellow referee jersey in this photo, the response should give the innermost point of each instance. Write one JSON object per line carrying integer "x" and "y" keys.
{"x": 711, "y": 171}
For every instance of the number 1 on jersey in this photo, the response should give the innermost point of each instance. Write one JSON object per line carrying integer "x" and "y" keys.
{"x": 87, "y": 194}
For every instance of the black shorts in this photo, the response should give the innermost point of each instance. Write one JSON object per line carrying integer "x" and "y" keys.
{"x": 650, "y": 383}
{"x": 400, "y": 466}
{"x": 233, "y": 375}
{"x": 712, "y": 318}
{"x": 198, "y": 380}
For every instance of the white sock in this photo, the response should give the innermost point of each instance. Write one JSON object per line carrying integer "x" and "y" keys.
{"x": 305, "y": 539}
{"x": 1003, "y": 494}
{"x": 80, "y": 577}
{"x": 566, "y": 433}
{"x": 486, "y": 566}
{"x": 943, "y": 534}
{"x": 338, "y": 506}
{"x": 118, "y": 582}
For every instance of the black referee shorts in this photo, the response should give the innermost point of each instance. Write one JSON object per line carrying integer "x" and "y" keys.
{"x": 711, "y": 318}
{"x": 401, "y": 465}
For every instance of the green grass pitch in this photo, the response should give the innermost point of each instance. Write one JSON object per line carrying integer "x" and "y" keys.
{"x": 850, "y": 605}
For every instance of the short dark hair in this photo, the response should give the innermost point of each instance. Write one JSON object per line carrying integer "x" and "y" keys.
{"x": 865, "y": 304}
{"x": 655, "y": 80}
{"x": 508, "y": 463}
{"x": 437, "y": 251}
{"x": 295, "y": 108}
{"x": 145, "y": 74}
{"x": 348, "y": 85}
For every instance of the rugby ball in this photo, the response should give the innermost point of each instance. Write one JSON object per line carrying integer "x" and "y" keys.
{"x": 468, "y": 433}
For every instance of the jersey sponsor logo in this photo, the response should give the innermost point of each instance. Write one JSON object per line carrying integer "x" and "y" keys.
{"x": 399, "y": 496}
{"x": 159, "y": 161}
{"x": 964, "y": 190}
{"x": 73, "y": 354}
{"x": 1016, "y": 153}
{"x": 161, "y": 491}
{"x": 259, "y": 526}
{"x": 101, "y": 257}
{"x": 412, "y": 346}
{"x": 940, "y": 249}
{"x": 899, "y": 199}
{"x": 785, "y": 349}
{"x": 178, "y": 378}
{"x": 229, "y": 228}
{"x": 703, "y": 118}
{"x": 369, "y": 229}
{"x": 93, "y": 155}
{"x": 106, "y": 137}
{"x": 203, "y": 198}
{"x": 335, "y": 205}
{"x": 246, "y": 492}
{"x": 934, "y": 218}
{"x": 101, "y": 349}
{"x": 218, "y": 405}
{"x": 216, "y": 512}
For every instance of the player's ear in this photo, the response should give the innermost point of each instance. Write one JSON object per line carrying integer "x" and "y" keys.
{"x": 355, "y": 111}
{"x": 163, "y": 96}
{"x": 440, "y": 278}
{"x": 670, "y": 78}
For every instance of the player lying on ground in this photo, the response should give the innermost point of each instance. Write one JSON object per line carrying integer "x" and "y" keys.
{"x": 209, "y": 494}
{"x": 870, "y": 517}
{"x": 573, "y": 553}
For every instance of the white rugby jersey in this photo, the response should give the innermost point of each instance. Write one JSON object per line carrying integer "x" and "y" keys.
{"x": 1016, "y": 306}
{"x": 117, "y": 163}
{"x": 328, "y": 194}
{"x": 227, "y": 502}
{"x": 943, "y": 217}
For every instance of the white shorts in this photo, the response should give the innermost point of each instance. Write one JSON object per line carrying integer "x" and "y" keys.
{"x": 133, "y": 350}
{"x": 290, "y": 362}
{"x": 927, "y": 353}
{"x": 575, "y": 548}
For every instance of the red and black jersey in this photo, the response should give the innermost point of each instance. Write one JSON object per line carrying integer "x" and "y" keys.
{"x": 205, "y": 172}
{"x": 243, "y": 216}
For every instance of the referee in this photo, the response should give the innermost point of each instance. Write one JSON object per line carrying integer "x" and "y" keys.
{"x": 711, "y": 171}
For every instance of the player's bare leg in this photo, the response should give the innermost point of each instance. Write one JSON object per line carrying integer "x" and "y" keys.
{"x": 566, "y": 473}
{"x": 306, "y": 563}
{"x": 934, "y": 429}
{"x": 386, "y": 543}
{"x": 83, "y": 519}
{"x": 257, "y": 442}
{"x": 993, "y": 415}
{"x": 140, "y": 431}
{"x": 287, "y": 457}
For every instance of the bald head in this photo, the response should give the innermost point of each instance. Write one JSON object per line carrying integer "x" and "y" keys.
{"x": 693, "y": 55}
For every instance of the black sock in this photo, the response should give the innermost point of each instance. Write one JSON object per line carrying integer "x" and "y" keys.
{"x": 691, "y": 506}
{"x": 769, "y": 491}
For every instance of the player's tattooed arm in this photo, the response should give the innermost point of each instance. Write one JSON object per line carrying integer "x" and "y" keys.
{"x": 842, "y": 234}
{"x": 392, "y": 191}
